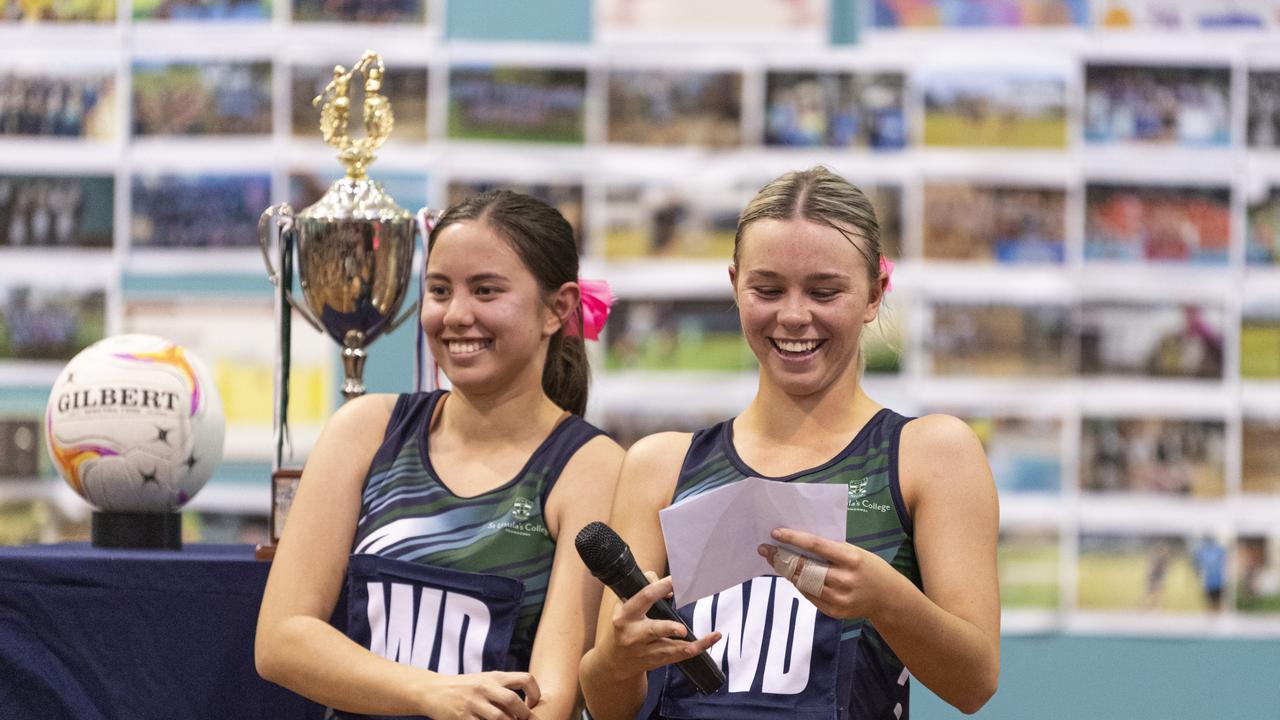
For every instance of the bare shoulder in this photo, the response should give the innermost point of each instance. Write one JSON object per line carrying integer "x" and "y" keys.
{"x": 939, "y": 435}
{"x": 584, "y": 490}
{"x": 593, "y": 467}
{"x": 307, "y": 573}
{"x": 652, "y": 466}
{"x": 940, "y": 454}
{"x": 660, "y": 448}
{"x": 647, "y": 482}
{"x": 598, "y": 454}
{"x": 359, "y": 421}
{"x": 358, "y": 411}
{"x": 642, "y": 469}
{"x": 350, "y": 438}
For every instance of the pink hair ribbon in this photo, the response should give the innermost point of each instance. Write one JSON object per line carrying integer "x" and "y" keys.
{"x": 597, "y": 299}
{"x": 886, "y": 267}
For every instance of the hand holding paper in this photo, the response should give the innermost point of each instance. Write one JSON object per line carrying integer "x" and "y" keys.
{"x": 712, "y": 538}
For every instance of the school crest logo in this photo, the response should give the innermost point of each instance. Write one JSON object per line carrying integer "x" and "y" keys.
{"x": 856, "y": 491}
{"x": 522, "y": 519}
{"x": 522, "y": 508}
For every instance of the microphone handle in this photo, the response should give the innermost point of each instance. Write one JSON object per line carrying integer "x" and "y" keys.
{"x": 699, "y": 669}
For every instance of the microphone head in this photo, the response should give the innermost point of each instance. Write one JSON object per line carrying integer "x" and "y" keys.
{"x": 599, "y": 546}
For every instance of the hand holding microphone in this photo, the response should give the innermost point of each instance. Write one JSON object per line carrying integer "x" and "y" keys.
{"x": 662, "y": 638}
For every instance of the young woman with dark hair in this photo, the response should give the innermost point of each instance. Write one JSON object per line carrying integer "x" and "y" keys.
{"x": 449, "y": 516}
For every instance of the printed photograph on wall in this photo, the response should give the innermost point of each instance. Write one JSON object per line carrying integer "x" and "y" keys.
{"x": 969, "y": 14}
{"x": 198, "y": 211}
{"x": 1028, "y": 559}
{"x": 1153, "y": 455}
{"x": 886, "y": 199}
{"x": 1165, "y": 223}
{"x": 699, "y": 220}
{"x": 1258, "y": 582}
{"x": 1151, "y": 573}
{"x": 50, "y": 323}
{"x": 711, "y": 21}
{"x": 675, "y": 107}
{"x": 60, "y": 103}
{"x": 1262, "y": 109}
{"x": 1158, "y": 104}
{"x": 563, "y": 196}
{"x": 524, "y": 104}
{"x": 994, "y": 223}
{"x": 56, "y": 211}
{"x": 1025, "y": 453}
{"x": 1152, "y": 340}
{"x": 405, "y": 87}
{"x": 676, "y": 335}
{"x": 21, "y": 448}
{"x": 1137, "y": 14}
{"x": 1260, "y": 451}
{"x": 1164, "y": 15}
{"x": 59, "y": 11}
{"x": 26, "y": 522}
{"x": 206, "y": 98}
{"x": 671, "y": 220}
{"x": 1262, "y": 232}
{"x": 360, "y": 11}
{"x": 835, "y": 109}
{"x": 995, "y": 107}
{"x": 202, "y": 10}
{"x": 1000, "y": 340}
{"x": 1260, "y": 341}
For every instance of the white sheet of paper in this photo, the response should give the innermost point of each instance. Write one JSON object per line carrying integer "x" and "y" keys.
{"x": 712, "y": 538}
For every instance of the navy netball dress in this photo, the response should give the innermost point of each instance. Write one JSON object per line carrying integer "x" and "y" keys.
{"x": 781, "y": 657}
{"x": 448, "y": 583}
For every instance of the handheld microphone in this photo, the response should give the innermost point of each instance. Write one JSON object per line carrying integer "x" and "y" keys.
{"x": 611, "y": 562}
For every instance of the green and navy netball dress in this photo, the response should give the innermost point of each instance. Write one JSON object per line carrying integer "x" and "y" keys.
{"x": 781, "y": 657}
{"x": 452, "y": 584}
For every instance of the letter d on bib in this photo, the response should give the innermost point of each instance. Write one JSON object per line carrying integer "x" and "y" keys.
{"x": 464, "y": 629}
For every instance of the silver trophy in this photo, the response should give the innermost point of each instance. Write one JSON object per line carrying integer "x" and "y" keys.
{"x": 354, "y": 251}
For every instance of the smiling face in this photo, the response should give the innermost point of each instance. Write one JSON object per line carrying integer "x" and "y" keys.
{"x": 486, "y": 320}
{"x": 804, "y": 292}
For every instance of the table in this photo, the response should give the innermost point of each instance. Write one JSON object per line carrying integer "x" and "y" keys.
{"x": 95, "y": 634}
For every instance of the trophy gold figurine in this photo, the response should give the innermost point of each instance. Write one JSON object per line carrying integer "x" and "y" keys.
{"x": 354, "y": 256}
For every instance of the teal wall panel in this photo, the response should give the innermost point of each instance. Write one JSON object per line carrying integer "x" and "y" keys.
{"x": 566, "y": 21}
{"x": 1065, "y": 677}
{"x": 177, "y": 285}
{"x": 23, "y": 400}
{"x": 845, "y": 23}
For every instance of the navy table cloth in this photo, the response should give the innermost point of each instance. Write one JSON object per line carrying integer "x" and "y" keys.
{"x": 95, "y": 634}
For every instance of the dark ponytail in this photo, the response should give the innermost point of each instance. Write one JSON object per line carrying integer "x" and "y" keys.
{"x": 544, "y": 241}
{"x": 567, "y": 373}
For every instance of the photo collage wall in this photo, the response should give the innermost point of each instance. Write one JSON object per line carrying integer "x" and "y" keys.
{"x": 1084, "y": 215}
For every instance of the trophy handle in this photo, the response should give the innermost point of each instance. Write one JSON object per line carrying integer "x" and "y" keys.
{"x": 275, "y": 221}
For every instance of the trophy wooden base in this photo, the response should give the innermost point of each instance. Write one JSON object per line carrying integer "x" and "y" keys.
{"x": 284, "y": 483}
{"x": 137, "y": 530}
